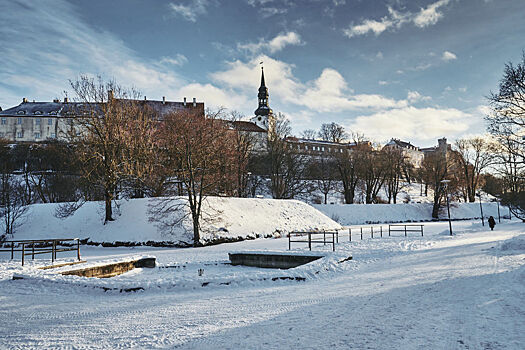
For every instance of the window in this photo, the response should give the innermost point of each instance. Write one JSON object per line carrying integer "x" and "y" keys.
{"x": 53, "y": 135}
{"x": 38, "y": 112}
{"x": 322, "y": 149}
{"x": 21, "y": 112}
{"x": 19, "y": 134}
{"x": 4, "y": 121}
{"x": 19, "y": 121}
{"x": 37, "y": 135}
{"x": 38, "y": 121}
{"x": 306, "y": 148}
{"x": 50, "y": 121}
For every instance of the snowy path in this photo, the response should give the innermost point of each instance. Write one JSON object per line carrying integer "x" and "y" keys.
{"x": 436, "y": 292}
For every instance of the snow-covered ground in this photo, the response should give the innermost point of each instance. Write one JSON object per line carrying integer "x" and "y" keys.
{"x": 431, "y": 292}
{"x": 352, "y": 214}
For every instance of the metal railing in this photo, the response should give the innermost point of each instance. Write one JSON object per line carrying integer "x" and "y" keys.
{"x": 406, "y": 228}
{"x": 34, "y": 247}
{"x": 312, "y": 238}
{"x": 378, "y": 231}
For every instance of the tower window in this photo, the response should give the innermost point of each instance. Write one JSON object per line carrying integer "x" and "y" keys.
{"x": 259, "y": 119}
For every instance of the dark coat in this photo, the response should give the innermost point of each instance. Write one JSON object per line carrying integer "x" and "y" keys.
{"x": 492, "y": 222}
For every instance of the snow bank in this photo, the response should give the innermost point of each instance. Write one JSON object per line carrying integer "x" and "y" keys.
{"x": 514, "y": 244}
{"x": 355, "y": 214}
{"x": 224, "y": 218}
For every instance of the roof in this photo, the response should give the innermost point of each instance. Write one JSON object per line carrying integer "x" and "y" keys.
{"x": 318, "y": 142}
{"x": 402, "y": 144}
{"x": 247, "y": 126}
{"x": 70, "y": 109}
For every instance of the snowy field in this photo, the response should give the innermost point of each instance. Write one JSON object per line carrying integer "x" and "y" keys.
{"x": 431, "y": 292}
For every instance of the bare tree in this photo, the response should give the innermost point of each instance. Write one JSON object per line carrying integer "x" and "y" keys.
{"x": 434, "y": 169}
{"x": 286, "y": 166}
{"x": 332, "y": 132}
{"x": 395, "y": 164}
{"x": 309, "y": 134}
{"x": 323, "y": 171}
{"x": 473, "y": 157}
{"x": 372, "y": 167}
{"x": 506, "y": 123}
{"x": 13, "y": 199}
{"x": 196, "y": 149}
{"x": 243, "y": 147}
{"x": 112, "y": 133}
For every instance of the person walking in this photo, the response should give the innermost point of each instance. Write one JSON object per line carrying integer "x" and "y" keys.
{"x": 492, "y": 223}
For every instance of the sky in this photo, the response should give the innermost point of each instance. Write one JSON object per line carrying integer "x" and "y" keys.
{"x": 416, "y": 70}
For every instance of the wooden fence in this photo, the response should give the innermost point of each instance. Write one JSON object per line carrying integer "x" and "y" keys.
{"x": 41, "y": 246}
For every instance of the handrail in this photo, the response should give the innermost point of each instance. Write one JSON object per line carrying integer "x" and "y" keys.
{"x": 35, "y": 250}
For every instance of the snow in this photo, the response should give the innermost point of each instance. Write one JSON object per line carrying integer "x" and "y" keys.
{"x": 354, "y": 214}
{"x": 223, "y": 217}
{"x": 431, "y": 292}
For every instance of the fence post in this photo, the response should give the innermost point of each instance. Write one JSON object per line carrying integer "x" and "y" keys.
{"x": 381, "y": 229}
{"x": 333, "y": 241}
{"x": 290, "y": 241}
{"x": 372, "y": 231}
{"x": 421, "y": 230}
{"x": 78, "y": 249}
{"x": 310, "y": 240}
{"x": 12, "y": 250}
{"x": 33, "y": 251}
{"x": 405, "y": 230}
{"x": 337, "y": 235}
{"x": 350, "y": 234}
{"x": 361, "y": 233}
{"x": 23, "y": 252}
{"x": 324, "y": 237}
{"x": 53, "y": 251}
{"x": 388, "y": 230}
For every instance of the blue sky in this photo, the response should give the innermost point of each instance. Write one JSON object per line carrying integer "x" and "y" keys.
{"x": 415, "y": 70}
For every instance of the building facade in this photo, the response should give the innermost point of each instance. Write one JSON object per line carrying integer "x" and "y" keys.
{"x": 43, "y": 121}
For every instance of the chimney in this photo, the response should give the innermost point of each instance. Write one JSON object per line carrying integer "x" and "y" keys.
{"x": 163, "y": 99}
{"x": 66, "y": 100}
{"x": 56, "y": 100}
{"x": 184, "y": 101}
{"x": 110, "y": 95}
{"x": 194, "y": 102}
{"x": 24, "y": 100}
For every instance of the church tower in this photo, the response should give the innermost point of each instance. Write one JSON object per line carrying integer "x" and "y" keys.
{"x": 263, "y": 114}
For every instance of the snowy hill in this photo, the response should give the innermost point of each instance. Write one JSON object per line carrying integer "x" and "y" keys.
{"x": 225, "y": 219}
{"x": 355, "y": 214}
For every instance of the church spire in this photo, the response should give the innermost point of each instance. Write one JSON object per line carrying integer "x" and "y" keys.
{"x": 263, "y": 113}
{"x": 262, "y": 77}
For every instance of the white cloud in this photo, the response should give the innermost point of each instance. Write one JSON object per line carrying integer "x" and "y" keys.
{"x": 44, "y": 46}
{"x": 274, "y": 45}
{"x": 430, "y": 15}
{"x": 191, "y": 10}
{"x": 178, "y": 60}
{"x": 411, "y": 123}
{"x": 414, "y": 96}
{"x": 327, "y": 93}
{"x": 448, "y": 56}
{"x": 213, "y": 96}
{"x": 427, "y": 16}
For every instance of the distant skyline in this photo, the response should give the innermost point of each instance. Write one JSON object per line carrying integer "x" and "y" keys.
{"x": 415, "y": 70}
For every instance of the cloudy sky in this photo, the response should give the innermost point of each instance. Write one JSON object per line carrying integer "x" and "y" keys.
{"x": 411, "y": 69}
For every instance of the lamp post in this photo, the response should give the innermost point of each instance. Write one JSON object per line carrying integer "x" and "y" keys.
{"x": 445, "y": 183}
{"x": 481, "y": 209}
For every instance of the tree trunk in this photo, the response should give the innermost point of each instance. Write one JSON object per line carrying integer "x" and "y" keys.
{"x": 435, "y": 210}
{"x": 196, "y": 233}
{"x": 108, "y": 198}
